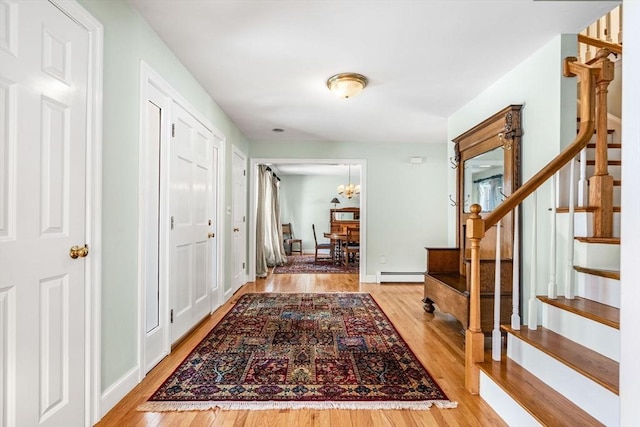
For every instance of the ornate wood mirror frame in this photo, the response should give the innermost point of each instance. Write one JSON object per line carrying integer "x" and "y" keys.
{"x": 498, "y": 135}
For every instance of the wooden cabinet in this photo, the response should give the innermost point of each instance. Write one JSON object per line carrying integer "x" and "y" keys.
{"x": 343, "y": 219}
{"x": 488, "y": 169}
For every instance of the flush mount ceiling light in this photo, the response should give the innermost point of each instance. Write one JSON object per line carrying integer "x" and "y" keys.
{"x": 347, "y": 85}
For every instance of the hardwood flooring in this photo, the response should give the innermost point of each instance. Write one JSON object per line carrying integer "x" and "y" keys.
{"x": 434, "y": 338}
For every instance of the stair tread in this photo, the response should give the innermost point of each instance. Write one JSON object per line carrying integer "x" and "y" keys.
{"x": 545, "y": 404}
{"x": 611, "y": 274}
{"x": 587, "y": 362}
{"x": 609, "y": 162}
{"x": 612, "y": 145}
{"x": 598, "y": 312}
{"x": 604, "y": 240}
{"x": 565, "y": 209}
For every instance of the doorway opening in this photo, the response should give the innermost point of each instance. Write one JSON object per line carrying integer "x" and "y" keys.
{"x": 317, "y": 209}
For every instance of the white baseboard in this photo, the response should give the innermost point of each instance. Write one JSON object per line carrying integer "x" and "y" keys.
{"x": 118, "y": 390}
{"x": 400, "y": 276}
{"x": 369, "y": 279}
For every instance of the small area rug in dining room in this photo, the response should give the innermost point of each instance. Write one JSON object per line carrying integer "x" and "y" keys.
{"x": 294, "y": 350}
{"x": 305, "y": 264}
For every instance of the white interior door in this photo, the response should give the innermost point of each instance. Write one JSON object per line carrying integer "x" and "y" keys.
{"x": 191, "y": 209}
{"x": 239, "y": 195}
{"x": 43, "y": 117}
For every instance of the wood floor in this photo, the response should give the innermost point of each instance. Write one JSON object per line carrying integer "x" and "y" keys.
{"x": 435, "y": 339}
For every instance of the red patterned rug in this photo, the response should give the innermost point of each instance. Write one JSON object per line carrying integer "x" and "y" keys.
{"x": 283, "y": 351}
{"x": 305, "y": 264}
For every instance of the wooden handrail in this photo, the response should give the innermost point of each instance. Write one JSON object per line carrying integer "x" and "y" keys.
{"x": 476, "y": 225}
{"x": 587, "y": 125}
{"x": 613, "y": 47}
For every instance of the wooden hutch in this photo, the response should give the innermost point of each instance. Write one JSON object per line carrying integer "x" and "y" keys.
{"x": 488, "y": 163}
{"x": 343, "y": 218}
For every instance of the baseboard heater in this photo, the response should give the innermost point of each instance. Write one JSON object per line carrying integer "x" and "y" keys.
{"x": 399, "y": 276}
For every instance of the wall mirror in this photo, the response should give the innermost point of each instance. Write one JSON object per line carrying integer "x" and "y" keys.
{"x": 484, "y": 180}
{"x": 488, "y": 160}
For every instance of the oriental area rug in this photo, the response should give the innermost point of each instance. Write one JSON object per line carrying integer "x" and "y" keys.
{"x": 293, "y": 351}
{"x": 305, "y": 264}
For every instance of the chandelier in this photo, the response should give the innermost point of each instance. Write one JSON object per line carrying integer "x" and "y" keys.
{"x": 349, "y": 190}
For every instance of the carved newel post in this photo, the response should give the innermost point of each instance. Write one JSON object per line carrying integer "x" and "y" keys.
{"x": 474, "y": 338}
{"x": 601, "y": 183}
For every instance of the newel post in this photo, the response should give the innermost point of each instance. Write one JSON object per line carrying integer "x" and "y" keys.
{"x": 474, "y": 338}
{"x": 601, "y": 183}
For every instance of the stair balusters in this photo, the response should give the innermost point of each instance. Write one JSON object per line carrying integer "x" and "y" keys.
{"x": 583, "y": 186}
{"x": 533, "y": 306}
{"x": 552, "y": 290}
{"x": 496, "y": 343}
{"x": 515, "y": 310}
{"x": 569, "y": 282}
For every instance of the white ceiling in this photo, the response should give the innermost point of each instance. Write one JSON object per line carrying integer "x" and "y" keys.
{"x": 266, "y": 62}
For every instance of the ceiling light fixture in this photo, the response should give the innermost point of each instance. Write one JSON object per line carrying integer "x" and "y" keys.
{"x": 347, "y": 85}
{"x": 349, "y": 190}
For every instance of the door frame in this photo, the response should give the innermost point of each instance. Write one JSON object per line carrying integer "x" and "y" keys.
{"x": 149, "y": 77}
{"x": 253, "y": 205}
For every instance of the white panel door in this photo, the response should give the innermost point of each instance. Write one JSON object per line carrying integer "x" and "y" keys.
{"x": 43, "y": 117}
{"x": 191, "y": 207}
{"x": 239, "y": 195}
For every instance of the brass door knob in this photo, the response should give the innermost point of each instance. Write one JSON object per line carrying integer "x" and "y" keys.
{"x": 79, "y": 251}
{"x": 212, "y": 235}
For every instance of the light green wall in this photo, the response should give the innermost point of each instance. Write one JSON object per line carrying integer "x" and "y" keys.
{"x": 305, "y": 201}
{"x": 549, "y": 124}
{"x": 406, "y": 203}
{"x": 127, "y": 40}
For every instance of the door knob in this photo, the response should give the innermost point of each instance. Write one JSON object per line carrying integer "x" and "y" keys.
{"x": 79, "y": 251}
{"x": 212, "y": 235}
{"x": 235, "y": 229}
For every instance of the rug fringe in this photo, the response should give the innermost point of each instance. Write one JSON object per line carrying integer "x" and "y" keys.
{"x": 242, "y": 406}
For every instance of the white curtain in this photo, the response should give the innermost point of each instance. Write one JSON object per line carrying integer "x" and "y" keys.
{"x": 269, "y": 244}
{"x": 490, "y": 192}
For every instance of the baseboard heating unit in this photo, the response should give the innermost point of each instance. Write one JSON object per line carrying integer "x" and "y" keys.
{"x": 400, "y": 276}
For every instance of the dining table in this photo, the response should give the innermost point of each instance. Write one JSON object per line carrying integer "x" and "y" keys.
{"x": 336, "y": 244}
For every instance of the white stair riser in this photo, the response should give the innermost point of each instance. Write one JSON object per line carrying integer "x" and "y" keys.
{"x": 507, "y": 408}
{"x": 599, "y": 289}
{"x": 617, "y": 196}
{"x": 597, "y": 255}
{"x": 612, "y": 154}
{"x": 614, "y": 171}
{"x": 583, "y": 223}
{"x": 594, "y": 399}
{"x": 593, "y": 335}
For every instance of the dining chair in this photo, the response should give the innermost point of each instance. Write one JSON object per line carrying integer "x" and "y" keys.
{"x": 351, "y": 246}
{"x": 320, "y": 246}
{"x": 290, "y": 240}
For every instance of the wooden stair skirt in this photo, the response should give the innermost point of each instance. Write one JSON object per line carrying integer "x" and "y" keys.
{"x": 445, "y": 287}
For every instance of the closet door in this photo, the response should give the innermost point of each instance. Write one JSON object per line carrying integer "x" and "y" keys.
{"x": 192, "y": 202}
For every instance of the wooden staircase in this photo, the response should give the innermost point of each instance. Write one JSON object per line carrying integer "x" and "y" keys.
{"x": 565, "y": 370}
